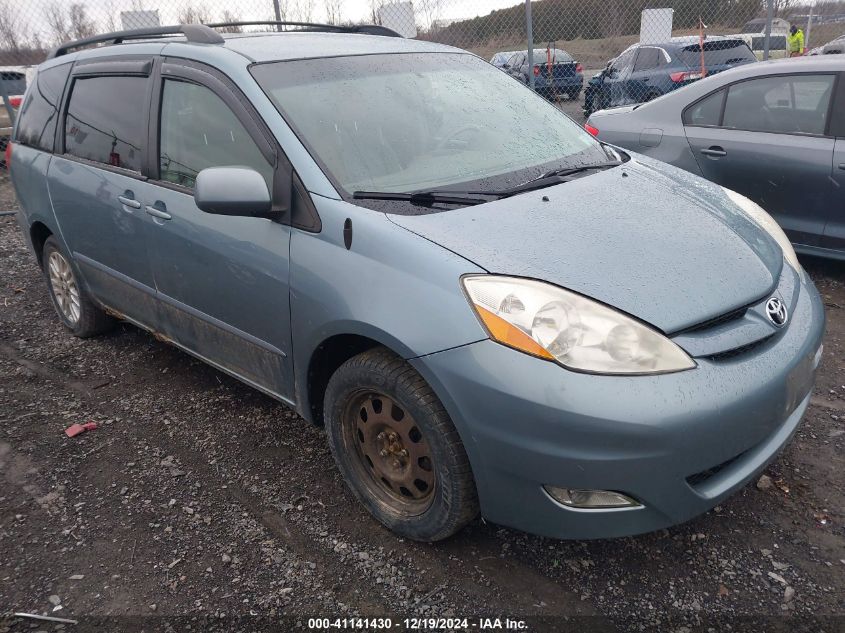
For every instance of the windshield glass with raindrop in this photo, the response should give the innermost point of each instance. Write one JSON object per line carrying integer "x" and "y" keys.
{"x": 410, "y": 122}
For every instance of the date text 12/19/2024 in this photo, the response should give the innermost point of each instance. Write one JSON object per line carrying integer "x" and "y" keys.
{"x": 417, "y": 624}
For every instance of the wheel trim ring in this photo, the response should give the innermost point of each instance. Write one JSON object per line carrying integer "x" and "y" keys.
{"x": 64, "y": 287}
{"x": 382, "y": 479}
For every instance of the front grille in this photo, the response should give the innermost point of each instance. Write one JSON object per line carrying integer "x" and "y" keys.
{"x": 738, "y": 351}
{"x": 699, "y": 478}
{"x": 734, "y": 315}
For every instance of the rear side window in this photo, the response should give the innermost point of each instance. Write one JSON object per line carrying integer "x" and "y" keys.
{"x": 716, "y": 53}
{"x": 106, "y": 120}
{"x": 198, "y": 130}
{"x": 705, "y": 112}
{"x": 776, "y": 43}
{"x": 14, "y": 83}
{"x": 647, "y": 59}
{"x": 797, "y": 104}
{"x": 40, "y": 111}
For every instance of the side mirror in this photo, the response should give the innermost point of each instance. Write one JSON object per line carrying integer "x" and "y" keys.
{"x": 232, "y": 191}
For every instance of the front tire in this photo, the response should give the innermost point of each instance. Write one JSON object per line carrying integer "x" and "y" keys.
{"x": 77, "y": 312}
{"x": 397, "y": 448}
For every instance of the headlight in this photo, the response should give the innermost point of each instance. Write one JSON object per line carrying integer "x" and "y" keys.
{"x": 767, "y": 223}
{"x": 579, "y": 333}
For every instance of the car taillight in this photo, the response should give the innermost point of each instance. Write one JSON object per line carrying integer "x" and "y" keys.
{"x": 579, "y": 68}
{"x": 592, "y": 130}
{"x": 685, "y": 76}
{"x": 15, "y": 101}
{"x": 8, "y": 155}
{"x": 536, "y": 70}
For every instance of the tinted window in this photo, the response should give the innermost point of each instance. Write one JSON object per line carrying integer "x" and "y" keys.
{"x": 795, "y": 104}
{"x": 198, "y": 130}
{"x": 776, "y": 43}
{"x": 40, "y": 111}
{"x": 647, "y": 59}
{"x": 705, "y": 112}
{"x": 106, "y": 120}
{"x": 558, "y": 56}
{"x": 14, "y": 83}
{"x": 716, "y": 53}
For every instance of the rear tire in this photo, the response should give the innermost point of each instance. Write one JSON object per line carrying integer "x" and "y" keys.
{"x": 397, "y": 448}
{"x": 77, "y": 312}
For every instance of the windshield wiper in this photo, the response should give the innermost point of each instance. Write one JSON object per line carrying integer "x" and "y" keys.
{"x": 569, "y": 171}
{"x": 426, "y": 198}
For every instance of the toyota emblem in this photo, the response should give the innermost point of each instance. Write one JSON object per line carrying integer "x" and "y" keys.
{"x": 776, "y": 311}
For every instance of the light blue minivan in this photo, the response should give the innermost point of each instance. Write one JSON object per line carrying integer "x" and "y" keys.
{"x": 487, "y": 308}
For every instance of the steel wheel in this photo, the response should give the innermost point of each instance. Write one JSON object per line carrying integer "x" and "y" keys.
{"x": 64, "y": 286}
{"x": 391, "y": 454}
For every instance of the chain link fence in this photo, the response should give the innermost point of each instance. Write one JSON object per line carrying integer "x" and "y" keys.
{"x": 585, "y": 54}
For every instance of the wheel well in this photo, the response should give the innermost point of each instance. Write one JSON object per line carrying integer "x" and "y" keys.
{"x": 39, "y": 233}
{"x": 325, "y": 360}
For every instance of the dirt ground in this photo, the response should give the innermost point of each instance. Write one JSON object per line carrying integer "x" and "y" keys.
{"x": 200, "y": 504}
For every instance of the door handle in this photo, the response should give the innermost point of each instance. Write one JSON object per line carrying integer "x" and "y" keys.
{"x": 841, "y": 165}
{"x": 714, "y": 151}
{"x": 158, "y": 213}
{"x": 129, "y": 202}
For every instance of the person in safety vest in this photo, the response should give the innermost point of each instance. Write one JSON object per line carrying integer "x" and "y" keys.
{"x": 795, "y": 41}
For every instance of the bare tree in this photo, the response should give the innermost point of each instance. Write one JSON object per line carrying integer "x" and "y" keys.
{"x": 189, "y": 14}
{"x": 303, "y": 10}
{"x": 334, "y": 11}
{"x": 57, "y": 23}
{"x": 430, "y": 10}
{"x": 375, "y": 5}
{"x": 110, "y": 22}
{"x": 231, "y": 16}
{"x": 10, "y": 35}
{"x": 81, "y": 25}
{"x": 782, "y": 7}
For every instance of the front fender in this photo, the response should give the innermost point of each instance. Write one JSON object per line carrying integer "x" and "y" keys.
{"x": 391, "y": 286}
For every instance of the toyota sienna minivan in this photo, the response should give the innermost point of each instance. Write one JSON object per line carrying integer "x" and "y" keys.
{"x": 390, "y": 236}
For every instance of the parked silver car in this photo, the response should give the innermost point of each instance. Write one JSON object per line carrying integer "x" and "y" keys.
{"x": 773, "y": 131}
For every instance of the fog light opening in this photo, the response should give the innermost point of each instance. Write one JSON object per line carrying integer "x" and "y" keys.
{"x": 591, "y": 499}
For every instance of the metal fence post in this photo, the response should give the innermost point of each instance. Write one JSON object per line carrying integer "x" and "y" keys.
{"x": 770, "y": 9}
{"x": 529, "y": 30}
{"x": 809, "y": 28}
{"x": 277, "y": 9}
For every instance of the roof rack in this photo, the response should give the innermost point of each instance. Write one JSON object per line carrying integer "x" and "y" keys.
{"x": 198, "y": 33}
{"x": 205, "y": 33}
{"x": 365, "y": 29}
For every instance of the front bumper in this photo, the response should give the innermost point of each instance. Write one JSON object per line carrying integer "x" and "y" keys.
{"x": 678, "y": 443}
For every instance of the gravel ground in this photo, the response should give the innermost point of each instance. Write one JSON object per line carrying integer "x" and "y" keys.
{"x": 200, "y": 504}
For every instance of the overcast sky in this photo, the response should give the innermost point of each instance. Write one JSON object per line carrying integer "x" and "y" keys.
{"x": 33, "y": 12}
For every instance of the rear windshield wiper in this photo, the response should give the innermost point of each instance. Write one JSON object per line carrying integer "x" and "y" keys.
{"x": 426, "y": 198}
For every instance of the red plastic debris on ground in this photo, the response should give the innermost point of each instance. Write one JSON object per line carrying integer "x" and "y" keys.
{"x": 75, "y": 429}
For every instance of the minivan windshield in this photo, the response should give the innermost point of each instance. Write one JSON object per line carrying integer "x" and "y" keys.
{"x": 422, "y": 121}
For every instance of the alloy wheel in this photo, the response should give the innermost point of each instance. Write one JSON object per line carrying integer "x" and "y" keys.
{"x": 64, "y": 287}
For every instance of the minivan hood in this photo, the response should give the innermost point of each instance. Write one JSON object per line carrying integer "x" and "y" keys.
{"x": 647, "y": 238}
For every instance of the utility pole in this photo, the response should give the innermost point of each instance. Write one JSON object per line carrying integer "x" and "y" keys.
{"x": 278, "y": 11}
{"x": 809, "y": 28}
{"x": 770, "y": 10}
